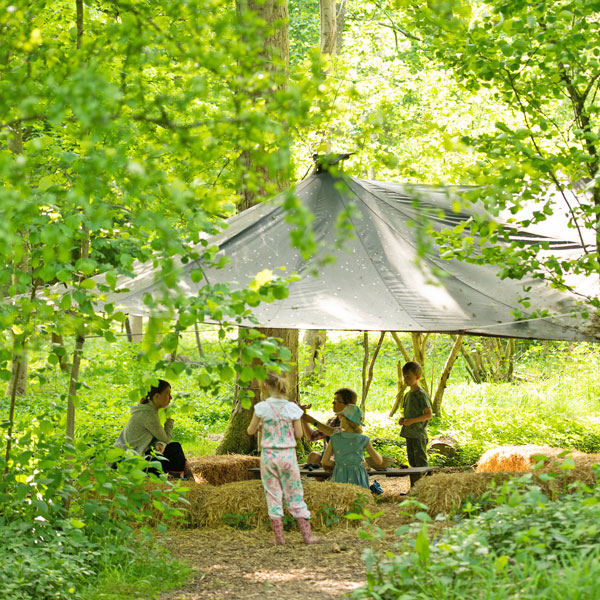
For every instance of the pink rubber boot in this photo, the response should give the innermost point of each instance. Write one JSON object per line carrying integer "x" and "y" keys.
{"x": 277, "y": 527}
{"x": 306, "y": 532}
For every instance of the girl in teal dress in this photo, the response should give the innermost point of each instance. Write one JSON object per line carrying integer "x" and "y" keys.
{"x": 348, "y": 447}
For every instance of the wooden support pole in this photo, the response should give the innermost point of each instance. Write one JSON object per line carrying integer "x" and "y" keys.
{"x": 439, "y": 393}
{"x": 367, "y": 384}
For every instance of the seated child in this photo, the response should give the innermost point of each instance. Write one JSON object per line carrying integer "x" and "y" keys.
{"x": 323, "y": 431}
{"x": 348, "y": 447}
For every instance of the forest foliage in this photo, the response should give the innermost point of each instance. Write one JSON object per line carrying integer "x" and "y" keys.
{"x": 126, "y": 131}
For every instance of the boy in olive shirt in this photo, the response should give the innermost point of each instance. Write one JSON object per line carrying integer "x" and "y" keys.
{"x": 417, "y": 411}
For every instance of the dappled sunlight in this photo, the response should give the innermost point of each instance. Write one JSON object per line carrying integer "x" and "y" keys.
{"x": 317, "y": 579}
{"x": 336, "y": 307}
{"x": 419, "y": 278}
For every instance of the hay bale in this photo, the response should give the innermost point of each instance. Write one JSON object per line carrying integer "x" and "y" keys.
{"x": 248, "y": 498}
{"x": 581, "y": 459}
{"x": 564, "y": 480}
{"x": 516, "y": 458}
{"x": 227, "y": 468}
{"x": 197, "y": 497}
{"x": 446, "y": 492}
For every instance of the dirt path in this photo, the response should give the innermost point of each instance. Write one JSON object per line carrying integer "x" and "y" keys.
{"x": 245, "y": 564}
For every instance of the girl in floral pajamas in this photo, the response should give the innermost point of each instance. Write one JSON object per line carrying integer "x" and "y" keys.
{"x": 279, "y": 421}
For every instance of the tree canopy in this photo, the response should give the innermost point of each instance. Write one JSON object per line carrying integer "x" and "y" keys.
{"x": 126, "y": 130}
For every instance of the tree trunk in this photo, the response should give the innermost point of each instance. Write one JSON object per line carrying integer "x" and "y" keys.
{"x": 18, "y": 382}
{"x": 399, "y": 365}
{"x": 128, "y": 331}
{"x": 328, "y": 26}
{"x": 79, "y": 9}
{"x": 315, "y": 339}
{"x": 275, "y": 58}
{"x": 340, "y": 20}
{"x": 198, "y": 341}
{"x": 471, "y": 366}
{"x": 77, "y": 354}
{"x": 363, "y": 372}
{"x": 419, "y": 345}
{"x": 58, "y": 342}
{"x": 235, "y": 439}
{"x": 11, "y": 411}
{"x": 367, "y": 382}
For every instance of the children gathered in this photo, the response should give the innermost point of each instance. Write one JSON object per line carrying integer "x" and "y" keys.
{"x": 279, "y": 423}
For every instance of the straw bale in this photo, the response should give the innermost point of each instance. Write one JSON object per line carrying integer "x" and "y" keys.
{"x": 446, "y": 492}
{"x": 565, "y": 479}
{"x": 244, "y": 497}
{"x": 226, "y": 468}
{"x": 516, "y": 458}
{"x": 582, "y": 460}
{"x": 197, "y": 497}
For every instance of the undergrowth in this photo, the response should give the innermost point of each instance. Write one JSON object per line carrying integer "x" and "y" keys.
{"x": 526, "y": 547}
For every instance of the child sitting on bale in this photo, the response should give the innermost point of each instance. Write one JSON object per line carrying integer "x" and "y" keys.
{"x": 279, "y": 421}
{"x": 348, "y": 447}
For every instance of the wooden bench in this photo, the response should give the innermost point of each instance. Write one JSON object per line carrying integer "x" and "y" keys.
{"x": 387, "y": 473}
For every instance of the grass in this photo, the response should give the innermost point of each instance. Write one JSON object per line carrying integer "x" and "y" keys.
{"x": 554, "y": 400}
{"x": 140, "y": 578}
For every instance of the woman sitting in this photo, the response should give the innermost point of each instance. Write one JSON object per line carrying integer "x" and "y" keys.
{"x": 144, "y": 433}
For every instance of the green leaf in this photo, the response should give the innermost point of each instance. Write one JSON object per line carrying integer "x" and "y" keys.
{"x": 114, "y": 454}
{"x": 226, "y": 373}
{"x": 204, "y": 380}
{"x": 77, "y": 523}
{"x": 87, "y": 284}
{"x": 422, "y": 545}
{"x": 247, "y": 374}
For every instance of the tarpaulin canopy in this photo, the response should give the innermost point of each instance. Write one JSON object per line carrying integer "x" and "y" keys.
{"x": 376, "y": 282}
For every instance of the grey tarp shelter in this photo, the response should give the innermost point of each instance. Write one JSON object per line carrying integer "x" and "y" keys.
{"x": 375, "y": 283}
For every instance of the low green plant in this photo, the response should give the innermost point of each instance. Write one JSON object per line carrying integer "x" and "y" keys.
{"x": 359, "y": 503}
{"x": 328, "y": 514}
{"x": 289, "y": 523}
{"x": 242, "y": 521}
{"x": 527, "y": 546}
{"x": 65, "y": 513}
{"x": 132, "y": 578}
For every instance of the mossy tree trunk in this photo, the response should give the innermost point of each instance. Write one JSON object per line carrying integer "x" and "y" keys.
{"x": 274, "y": 59}
{"x": 235, "y": 439}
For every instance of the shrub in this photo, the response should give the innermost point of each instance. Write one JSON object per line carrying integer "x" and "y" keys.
{"x": 65, "y": 513}
{"x": 526, "y": 547}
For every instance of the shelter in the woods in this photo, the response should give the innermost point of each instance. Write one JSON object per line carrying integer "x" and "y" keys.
{"x": 378, "y": 282}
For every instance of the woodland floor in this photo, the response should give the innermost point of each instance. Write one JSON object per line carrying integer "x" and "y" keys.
{"x": 236, "y": 564}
